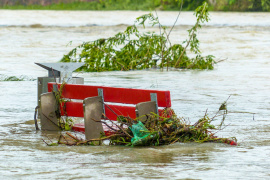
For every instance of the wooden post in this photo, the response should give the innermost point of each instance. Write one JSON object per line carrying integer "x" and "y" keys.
{"x": 93, "y": 109}
{"x": 48, "y": 117}
{"x": 145, "y": 108}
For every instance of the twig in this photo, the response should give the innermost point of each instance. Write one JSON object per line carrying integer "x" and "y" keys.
{"x": 109, "y": 108}
{"x": 176, "y": 19}
{"x": 223, "y": 119}
{"x": 49, "y": 138}
{"x": 78, "y": 138}
{"x": 158, "y": 23}
{"x": 113, "y": 122}
{"x": 45, "y": 142}
{"x": 205, "y": 114}
{"x": 69, "y": 144}
{"x": 221, "y": 60}
{"x": 73, "y": 137}
{"x": 199, "y": 120}
{"x": 35, "y": 118}
{"x": 59, "y": 139}
{"x": 221, "y": 129}
{"x": 160, "y": 41}
{"x": 105, "y": 124}
{"x": 219, "y": 110}
{"x": 55, "y": 77}
{"x": 118, "y": 127}
{"x": 228, "y": 98}
{"x": 193, "y": 32}
{"x": 51, "y": 121}
{"x": 177, "y": 139}
{"x": 65, "y": 139}
{"x": 99, "y": 139}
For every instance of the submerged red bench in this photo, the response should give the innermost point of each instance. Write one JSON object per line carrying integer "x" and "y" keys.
{"x": 121, "y": 100}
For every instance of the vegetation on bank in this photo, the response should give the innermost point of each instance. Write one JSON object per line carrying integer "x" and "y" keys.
{"x": 102, "y": 5}
{"x": 216, "y": 5}
{"x": 135, "y": 50}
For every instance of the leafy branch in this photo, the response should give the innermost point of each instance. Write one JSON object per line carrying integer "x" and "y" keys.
{"x": 202, "y": 15}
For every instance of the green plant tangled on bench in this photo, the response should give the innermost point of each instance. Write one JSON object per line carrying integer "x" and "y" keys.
{"x": 157, "y": 130}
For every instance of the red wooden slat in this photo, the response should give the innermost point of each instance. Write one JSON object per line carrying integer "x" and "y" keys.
{"x": 75, "y": 109}
{"x": 114, "y": 95}
{"x": 80, "y": 128}
{"x": 120, "y": 110}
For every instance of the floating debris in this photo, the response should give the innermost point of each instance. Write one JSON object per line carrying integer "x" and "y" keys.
{"x": 163, "y": 129}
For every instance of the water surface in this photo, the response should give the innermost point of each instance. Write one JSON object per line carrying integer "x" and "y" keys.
{"x": 43, "y": 36}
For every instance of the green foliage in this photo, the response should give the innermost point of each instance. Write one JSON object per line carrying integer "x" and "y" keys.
{"x": 242, "y": 5}
{"x": 231, "y": 2}
{"x": 64, "y": 123}
{"x": 266, "y": 5}
{"x": 106, "y": 5}
{"x": 15, "y": 78}
{"x": 12, "y": 78}
{"x": 132, "y": 49}
{"x": 259, "y": 5}
{"x": 202, "y": 16}
{"x": 53, "y": 144}
{"x": 220, "y": 5}
{"x": 159, "y": 130}
{"x": 191, "y": 4}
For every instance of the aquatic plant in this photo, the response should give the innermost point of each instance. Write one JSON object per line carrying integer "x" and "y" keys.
{"x": 15, "y": 78}
{"x": 133, "y": 49}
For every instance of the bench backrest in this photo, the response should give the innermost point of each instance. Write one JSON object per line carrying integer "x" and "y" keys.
{"x": 125, "y": 98}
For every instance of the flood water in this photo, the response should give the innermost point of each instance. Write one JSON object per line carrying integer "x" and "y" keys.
{"x": 243, "y": 39}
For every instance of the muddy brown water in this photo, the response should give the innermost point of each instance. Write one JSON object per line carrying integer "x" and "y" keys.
{"x": 43, "y": 36}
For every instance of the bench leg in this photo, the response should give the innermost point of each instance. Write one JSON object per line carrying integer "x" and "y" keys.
{"x": 93, "y": 109}
{"x": 48, "y": 117}
{"x": 145, "y": 108}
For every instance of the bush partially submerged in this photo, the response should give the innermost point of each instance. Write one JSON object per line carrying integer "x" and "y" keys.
{"x": 132, "y": 49}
